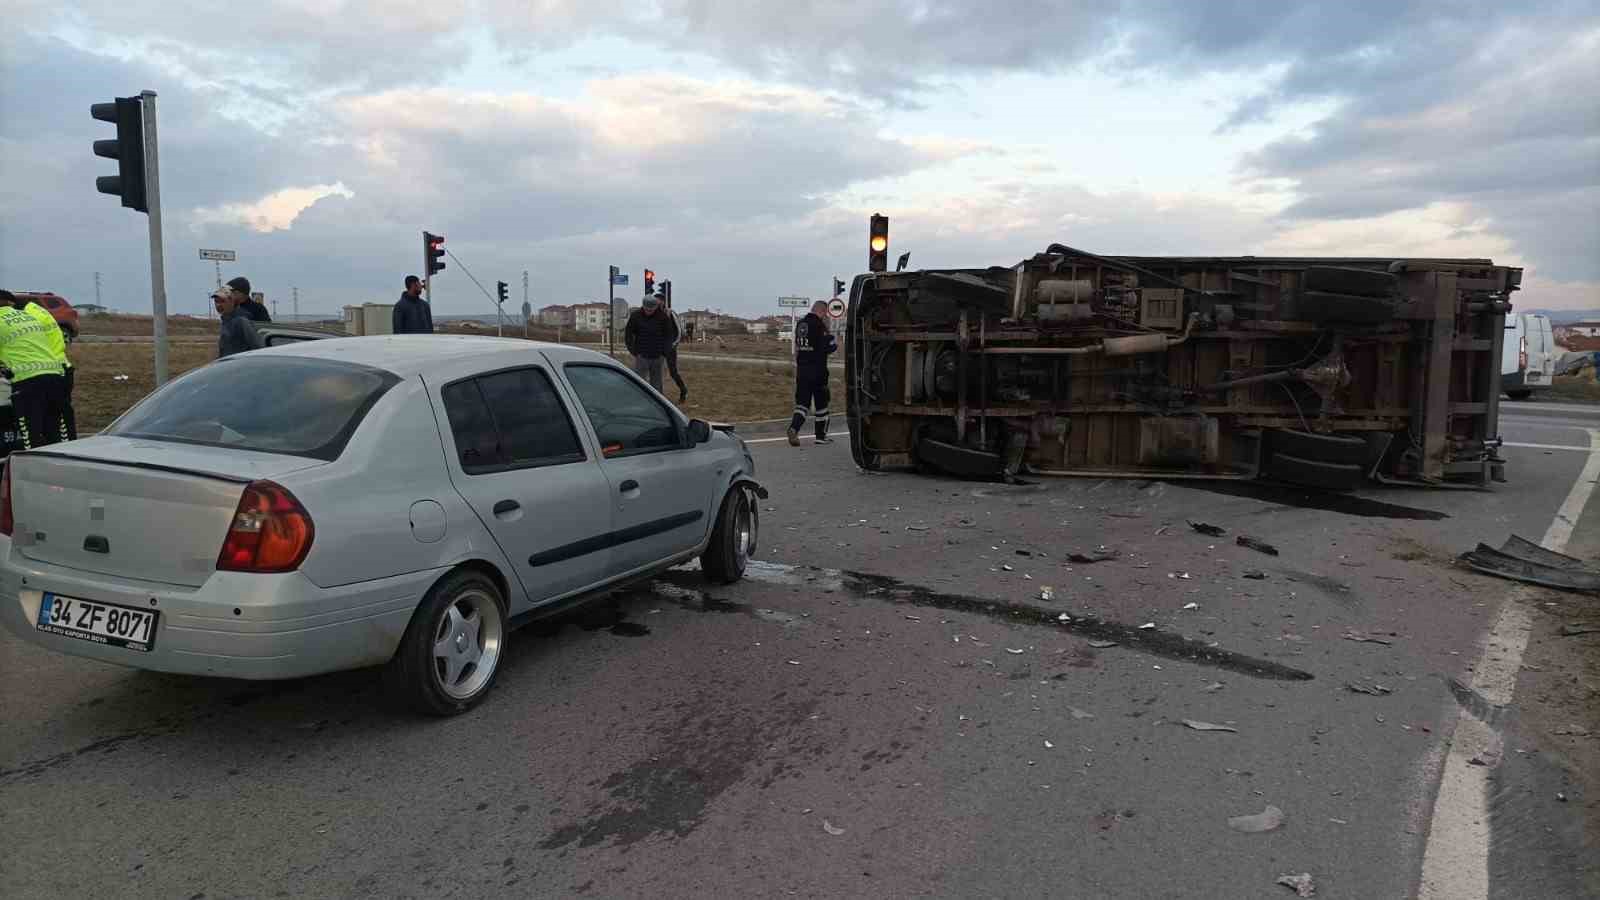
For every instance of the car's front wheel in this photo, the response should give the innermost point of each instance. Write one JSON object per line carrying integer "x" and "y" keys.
{"x": 733, "y": 539}
{"x": 451, "y": 652}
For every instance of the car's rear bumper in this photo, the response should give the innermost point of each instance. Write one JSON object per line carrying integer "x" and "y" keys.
{"x": 234, "y": 626}
{"x": 1523, "y": 381}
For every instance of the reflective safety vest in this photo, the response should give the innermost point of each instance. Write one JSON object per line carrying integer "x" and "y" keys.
{"x": 27, "y": 345}
{"x": 58, "y": 342}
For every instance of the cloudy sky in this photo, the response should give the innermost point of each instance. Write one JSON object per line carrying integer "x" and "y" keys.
{"x": 738, "y": 148}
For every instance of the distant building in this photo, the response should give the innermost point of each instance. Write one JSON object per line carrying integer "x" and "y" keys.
{"x": 592, "y": 316}
{"x": 1576, "y": 329}
{"x": 557, "y": 316}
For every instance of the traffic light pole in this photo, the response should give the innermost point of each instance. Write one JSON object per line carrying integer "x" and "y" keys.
{"x": 158, "y": 275}
{"x": 611, "y": 314}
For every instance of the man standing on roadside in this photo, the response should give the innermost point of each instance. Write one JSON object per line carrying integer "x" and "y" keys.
{"x": 247, "y": 304}
{"x": 238, "y": 332}
{"x": 650, "y": 333}
{"x": 812, "y": 344}
{"x": 411, "y": 312}
{"x": 38, "y": 378}
{"x": 672, "y": 357}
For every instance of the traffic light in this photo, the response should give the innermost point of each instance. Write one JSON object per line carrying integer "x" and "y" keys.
{"x": 433, "y": 253}
{"x": 666, "y": 294}
{"x": 649, "y": 281}
{"x": 127, "y": 113}
{"x": 838, "y": 288}
{"x": 501, "y": 287}
{"x": 878, "y": 244}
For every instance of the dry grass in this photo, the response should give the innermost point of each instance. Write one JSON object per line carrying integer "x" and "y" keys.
{"x": 1573, "y": 387}
{"x": 726, "y": 392}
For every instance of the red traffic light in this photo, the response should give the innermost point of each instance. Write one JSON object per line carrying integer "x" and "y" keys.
{"x": 433, "y": 252}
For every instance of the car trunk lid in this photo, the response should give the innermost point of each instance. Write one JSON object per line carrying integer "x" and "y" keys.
{"x": 147, "y": 510}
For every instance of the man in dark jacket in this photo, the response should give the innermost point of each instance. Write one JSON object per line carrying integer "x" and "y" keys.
{"x": 650, "y": 333}
{"x": 812, "y": 344}
{"x": 247, "y": 304}
{"x": 411, "y": 312}
{"x": 238, "y": 332}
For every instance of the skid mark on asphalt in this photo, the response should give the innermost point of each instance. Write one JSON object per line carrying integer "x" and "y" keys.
{"x": 892, "y": 590}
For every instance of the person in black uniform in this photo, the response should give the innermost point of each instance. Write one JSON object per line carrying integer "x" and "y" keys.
{"x": 257, "y": 312}
{"x": 812, "y": 344}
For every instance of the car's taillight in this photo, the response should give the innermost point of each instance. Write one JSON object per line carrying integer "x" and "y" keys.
{"x": 1522, "y": 355}
{"x": 7, "y": 524}
{"x": 271, "y": 532}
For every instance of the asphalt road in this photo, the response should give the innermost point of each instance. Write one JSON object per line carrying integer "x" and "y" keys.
{"x": 861, "y": 717}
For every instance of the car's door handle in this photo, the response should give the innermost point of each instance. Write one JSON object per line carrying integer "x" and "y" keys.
{"x": 506, "y": 506}
{"x": 629, "y": 485}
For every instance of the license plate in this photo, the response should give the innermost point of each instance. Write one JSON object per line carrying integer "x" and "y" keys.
{"x": 99, "y": 623}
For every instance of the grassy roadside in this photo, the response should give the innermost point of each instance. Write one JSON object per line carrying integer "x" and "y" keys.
{"x": 717, "y": 391}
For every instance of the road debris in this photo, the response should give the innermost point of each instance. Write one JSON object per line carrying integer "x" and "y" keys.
{"x": 1049, "y": 746}
{"x": 1101, "y": 645}
{"x": 1573, "y": 731}
{"x": 1573, "y": 629}
{"x": 1375, "y": 689}
{"x": 1181, "y": 576}
{"x": 1361, "y": 637}
{"x": 1014, "y": 652}
{"x": 1208, "y": 726}
{"x": 1520, "y": 559}
{"x": 914, "y": 618}
{"x": 794, "y": 662}
{"x": 916, "y": 528}
{"x": 1147, "y": 626}
{"x": 1562, "y": 797}
{"x": 1266, "y": 820}
{"x": 830, "y": 828}
{"x": 1007, "y": 569}
{"x": 1213, "y": 687}
{"x": 1095, "y": 556}
{"x": 1302, "y": 884}
{"x": 1207, "y": 529}
{"x": 1258, "y": 546}
{"x": 1190, "y": 606}
{"x": 1079, "y": 714}
{"x": 1256, "y": 575}
{"x": 1047, "y": 593}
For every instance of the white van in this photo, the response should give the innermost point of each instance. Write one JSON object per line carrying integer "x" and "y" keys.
{"x": 1528, "y": 362}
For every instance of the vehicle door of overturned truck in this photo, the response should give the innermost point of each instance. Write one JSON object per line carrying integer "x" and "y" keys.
{"x": 1319, "y": 372}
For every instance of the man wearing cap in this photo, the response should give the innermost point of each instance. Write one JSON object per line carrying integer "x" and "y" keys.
{"x": 411, "y": 312}
{"x": 238, "y": 333}
{"x": 38, "y": 379}
{"x": 812, "y": 344}
{"x": 247, "y": 304}
{"x": 649, "y": 334}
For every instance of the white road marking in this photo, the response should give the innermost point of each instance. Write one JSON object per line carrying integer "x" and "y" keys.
{"x": 1455, "y": 862}
{"x": 1549, "y": 447}
{"x": 803, "y": 437}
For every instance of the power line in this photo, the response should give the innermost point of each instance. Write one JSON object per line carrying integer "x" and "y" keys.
{"x": 475, "y": 281}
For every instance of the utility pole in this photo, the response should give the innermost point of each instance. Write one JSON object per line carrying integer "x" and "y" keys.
{"x": 274, "y": 309}
{"x": 296, "y": 303}
{"x": 97, "y": 290}
{"x": 526, "y": 310}
{"x": 611, "y": 313}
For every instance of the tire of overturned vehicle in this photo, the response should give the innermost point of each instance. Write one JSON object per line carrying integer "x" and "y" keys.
{"x": 1311, "y": 473}
{"x": 1328, "y": 448}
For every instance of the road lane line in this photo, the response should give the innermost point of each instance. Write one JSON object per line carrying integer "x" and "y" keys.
{"x": 1549, "y": 447}
{"x": 1455, "y": 860}
{"x": 803, "y": 437}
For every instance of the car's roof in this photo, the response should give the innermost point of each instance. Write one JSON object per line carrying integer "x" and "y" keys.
{"x": 408, "y": 354}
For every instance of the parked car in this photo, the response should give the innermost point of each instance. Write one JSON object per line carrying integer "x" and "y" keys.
{"x": 333, "y": 504}
{"x": 1528, "y": 362}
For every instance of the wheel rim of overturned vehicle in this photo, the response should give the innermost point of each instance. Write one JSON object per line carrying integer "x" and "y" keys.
{"x": 466, "y": 644}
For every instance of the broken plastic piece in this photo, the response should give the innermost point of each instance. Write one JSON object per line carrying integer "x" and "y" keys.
{"x": 1375, "y": 689}
{"x": 1266, "y": 820}
{"x": 1092, "y": 557}
{"x": 1362, "y": 637}
{"x": 1147, "y": 626}
{"x": 829, "y": 828}
{"x": 1191, "y": 606}
{"x": 1101, "y": 645}
{"x": 1207, "y": 529}
{"x": 1079, "y": 714}
{"x": 1302, "y": 884}
{"x": 1208, "y": 726}
{"x": 1254, "y": 544}
{"x": 1256, "y": 575}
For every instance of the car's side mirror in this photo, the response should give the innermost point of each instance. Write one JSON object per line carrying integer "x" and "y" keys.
{"x": 699, "y": 431}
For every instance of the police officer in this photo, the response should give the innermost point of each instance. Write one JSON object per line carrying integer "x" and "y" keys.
{"x": 38, "y": 376}
{"x": 812, "y": 344}
{"x": 58, "y": 347}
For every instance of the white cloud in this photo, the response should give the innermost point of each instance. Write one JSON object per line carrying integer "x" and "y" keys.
{"x": 276, "y": 211}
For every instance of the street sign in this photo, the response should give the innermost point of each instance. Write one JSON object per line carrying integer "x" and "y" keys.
{"x": 793, "y": 302}
{"x": 836, "y": 308}
{"x": 218, "y": 255}
{"x": 620, "y": 278}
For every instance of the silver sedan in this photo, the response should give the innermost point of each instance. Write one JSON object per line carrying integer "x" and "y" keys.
{"x": 395, "y": 501}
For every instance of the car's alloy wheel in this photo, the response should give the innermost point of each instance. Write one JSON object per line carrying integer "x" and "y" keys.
{"x": 466, "y": 645}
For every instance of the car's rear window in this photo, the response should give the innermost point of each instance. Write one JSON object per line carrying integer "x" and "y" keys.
{"x": 274, "y": 404}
